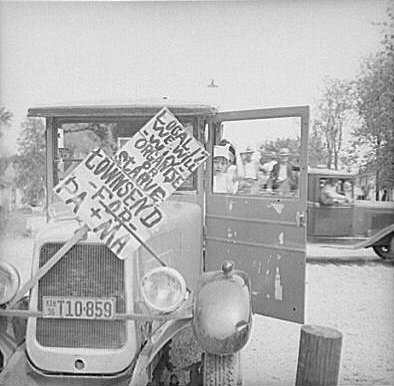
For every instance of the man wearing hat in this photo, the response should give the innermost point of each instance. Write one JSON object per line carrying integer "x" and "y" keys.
{"x": 248, "y": 172}
{"x": 266, "y": 163}
{"x": 222, "y": 181}
{"x": 283, "y": 175}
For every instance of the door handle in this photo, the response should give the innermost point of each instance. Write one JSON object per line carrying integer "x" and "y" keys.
{"x": 300, "y": 219}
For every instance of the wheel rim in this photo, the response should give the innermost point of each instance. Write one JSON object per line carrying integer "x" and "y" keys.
{"x": 384, "y": 251}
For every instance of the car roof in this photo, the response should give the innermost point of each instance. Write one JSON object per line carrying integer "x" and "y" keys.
{"x": 145, "y": 108}
{"x": 324, "y": 172}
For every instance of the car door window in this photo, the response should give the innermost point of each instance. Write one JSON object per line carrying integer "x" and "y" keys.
{"x": 259, "y": 157}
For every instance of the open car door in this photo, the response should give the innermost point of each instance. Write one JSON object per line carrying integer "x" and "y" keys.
{"x": 256, "y": 206}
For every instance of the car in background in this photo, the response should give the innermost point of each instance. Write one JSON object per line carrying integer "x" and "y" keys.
{"x": 362, "y": 223}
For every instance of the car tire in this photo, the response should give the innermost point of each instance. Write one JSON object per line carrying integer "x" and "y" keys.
{"x": 222, "y": 370}
{"x": 385, "y": 251}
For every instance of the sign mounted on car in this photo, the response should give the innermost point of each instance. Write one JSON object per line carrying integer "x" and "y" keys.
{"x": 118, "y": 198}
{"x": 161, "y": 156}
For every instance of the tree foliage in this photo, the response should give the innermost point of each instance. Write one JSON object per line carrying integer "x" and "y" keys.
{"x": 327, "y": 132}
{"x": 274, "y": 146}
{"x": 30, "y": 161}
{"x": 369, "y": 97}
{"x": 317, "y": 150}
{"x": 375, "y": 104}
{"x": 5, "y": 118}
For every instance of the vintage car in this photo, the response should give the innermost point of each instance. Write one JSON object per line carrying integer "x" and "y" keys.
{"x": 358, "y": 223}
{"x": 93, "y": 318}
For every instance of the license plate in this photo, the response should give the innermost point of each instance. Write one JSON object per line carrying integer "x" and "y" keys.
{"x": 78, "y": 308}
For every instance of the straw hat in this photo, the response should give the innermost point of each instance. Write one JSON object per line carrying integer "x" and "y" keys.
{"x": 247, "y": 150}
{"x": 284, "y": 151}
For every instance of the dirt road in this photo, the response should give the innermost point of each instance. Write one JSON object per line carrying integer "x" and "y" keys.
{"x": 357, "y": 300}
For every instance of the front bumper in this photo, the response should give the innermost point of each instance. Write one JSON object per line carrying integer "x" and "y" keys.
{"x": 20, "y": 372}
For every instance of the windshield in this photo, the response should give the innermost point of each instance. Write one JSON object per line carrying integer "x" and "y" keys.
{"x": 77, "y": 139}
{"x": 341, "y": 186}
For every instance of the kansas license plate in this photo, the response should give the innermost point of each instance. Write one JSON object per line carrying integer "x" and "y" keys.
{"x": 78, "y": 308}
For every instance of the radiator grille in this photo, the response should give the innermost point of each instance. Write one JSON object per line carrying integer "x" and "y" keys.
{"x": 87, "y": 270}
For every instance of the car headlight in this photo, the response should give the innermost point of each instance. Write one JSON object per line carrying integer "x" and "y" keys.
{"x": 163, "y": 289}
{"x": 9, "y": 282}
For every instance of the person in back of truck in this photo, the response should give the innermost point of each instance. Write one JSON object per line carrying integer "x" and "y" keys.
{"x": 267, "y": 162}
{"x": 223, "y": 182}
{"x": 233, "y": 162}
{"x": 284, "y": 174}
{"x": 248, "y": 172}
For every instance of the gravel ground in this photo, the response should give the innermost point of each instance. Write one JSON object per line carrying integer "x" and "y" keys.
{"x": 354, "y": 299}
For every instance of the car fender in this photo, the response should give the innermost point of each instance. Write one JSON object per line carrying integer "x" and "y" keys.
{"x": 222, "y": 314}
{"x": 152, "y": 347}
{"x": 8, "y": 344}
{"x": 380, "y": 238}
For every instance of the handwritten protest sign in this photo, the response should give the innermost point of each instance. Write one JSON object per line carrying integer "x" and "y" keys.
{"x": 161, "y": 156}
{"x": 117, "y": 198}
{"x": 110, "y": 203}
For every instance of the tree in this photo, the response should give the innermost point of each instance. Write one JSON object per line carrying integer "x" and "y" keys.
{"x": 375, "y": 104}
{"x": 30, "y": 161}
{"x": 5, "y": 118}
{"x": 331, "y": 117}
{"x": 5, "y": 121}
{"x": 317, "y": 151}
{"x": 274, "y": 146}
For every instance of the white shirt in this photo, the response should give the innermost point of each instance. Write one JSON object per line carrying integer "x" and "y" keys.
{"x": 282, "y": 175}
{"x": 332, "y": 193}
{"x": 268, "y": 166}
{"x": 223, "y": 183}
{"x": 250, "y": 170}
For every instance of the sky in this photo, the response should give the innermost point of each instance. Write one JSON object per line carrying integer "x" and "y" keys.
{"x": 260, "y": 54}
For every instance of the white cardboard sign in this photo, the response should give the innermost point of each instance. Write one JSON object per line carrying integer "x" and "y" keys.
{"x": 110, "y": 203}
{"x": 118, "y": 198}
{"x": 161, "y": 156}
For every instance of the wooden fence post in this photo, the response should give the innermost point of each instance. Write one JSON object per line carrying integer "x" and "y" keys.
{"x": 319, "y": 356}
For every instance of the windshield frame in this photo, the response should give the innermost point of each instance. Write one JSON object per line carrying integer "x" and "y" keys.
{"x": 195, "y": 115}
